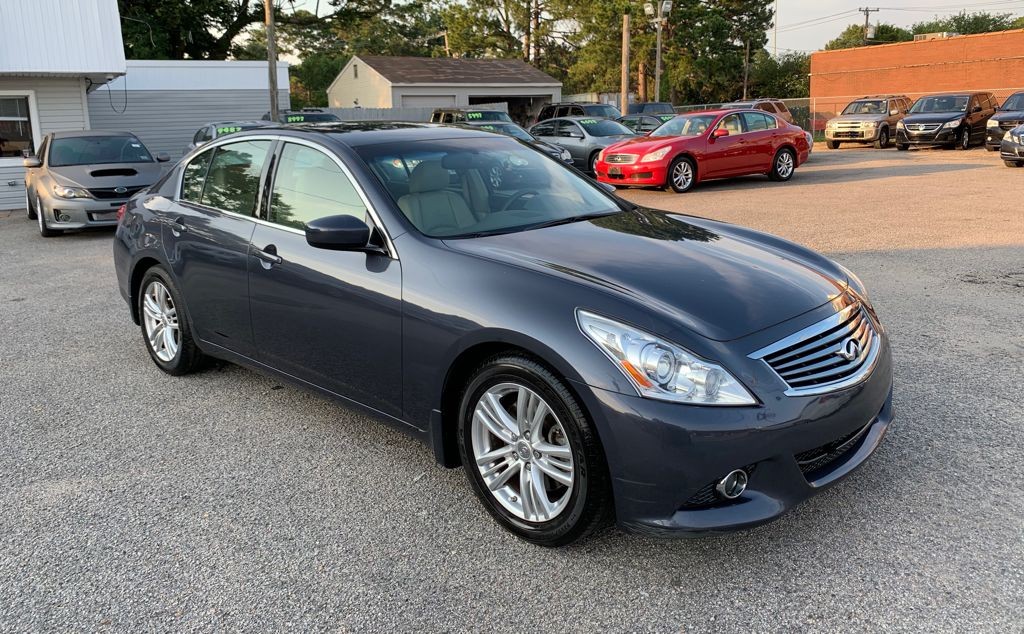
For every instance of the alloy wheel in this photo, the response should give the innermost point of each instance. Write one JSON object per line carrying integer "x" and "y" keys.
{"x": 160, "y": 316}
{"x": 682, "y": 175}
{"x": 784, "y": 165}
{"x": 39, "y": 215}
{"x": 522, "y": 452}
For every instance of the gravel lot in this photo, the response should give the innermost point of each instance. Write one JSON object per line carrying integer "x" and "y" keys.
{"x": 130, "y": 500}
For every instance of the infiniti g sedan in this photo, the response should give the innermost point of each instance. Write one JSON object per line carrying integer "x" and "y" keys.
{"x": 79, "y": 179}
{"x": 583, "y": 359}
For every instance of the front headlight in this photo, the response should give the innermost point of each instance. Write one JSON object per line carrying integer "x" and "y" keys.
{"x": 991, "y": 123}
{"x": 955, "y": 123}
{"x": 830, "y": 125}
{"x": 70, "y": 192}
{"x": 869, "y": 124}
{"x": 657, "y": 155}
{"x": 900, "y": 125}
{"x": 662, "y": 370}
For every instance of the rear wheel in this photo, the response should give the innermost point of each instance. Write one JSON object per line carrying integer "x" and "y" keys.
{"x": 165, "y": 327}
{"x": 531, "y": 454}
{"x": 883, "y": 139}
{"x": 832, "y": 145}
{"x": 682, "y": 174}
{"x": 964, "y": 142}
{"x": 783, "y": 165}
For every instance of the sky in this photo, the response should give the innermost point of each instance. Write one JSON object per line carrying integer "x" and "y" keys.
{"x": 806, "y": 25}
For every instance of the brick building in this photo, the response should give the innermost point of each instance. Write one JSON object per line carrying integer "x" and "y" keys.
{"x": 988, "y": 61}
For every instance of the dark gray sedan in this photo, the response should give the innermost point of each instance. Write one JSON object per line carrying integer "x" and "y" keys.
{"x": 583, "y": 359}
{"x": 79, "y": 179}
{"x": 583, "y": 137}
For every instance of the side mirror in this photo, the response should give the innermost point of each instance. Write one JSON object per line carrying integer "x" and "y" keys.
{"x": 720, "y": 132}
{"x": 338, "y": 233}
{"x": 163, "y": 157}
{"x": 31, "y": 161}
{"x": 976, "y": 109}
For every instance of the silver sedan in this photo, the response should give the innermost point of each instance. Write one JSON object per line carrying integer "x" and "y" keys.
{"x": 583, "y": 137}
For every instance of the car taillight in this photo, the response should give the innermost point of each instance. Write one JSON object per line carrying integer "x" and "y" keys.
{"x": 121, "y": 210}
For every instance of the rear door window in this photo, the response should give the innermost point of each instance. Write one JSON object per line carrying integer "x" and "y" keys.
{"x": 756, "y": 121}
{"x": 233, "y": 180}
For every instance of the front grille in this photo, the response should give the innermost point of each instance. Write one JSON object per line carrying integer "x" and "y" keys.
{"x": 829, "y": 355}
{"x": 813, "y": 459}
{"x": 923, "y": 127}
{"x": 842, "y": 134}
{"x": 1009, "y": 125}
{"x": 621, "y": 159}
{"x": 706, "y": 497}
{"x": 101, "y": 193}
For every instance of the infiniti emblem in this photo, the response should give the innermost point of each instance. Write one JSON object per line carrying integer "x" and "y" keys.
{"x": 120, "y": 190}
{"x": 850, "y": 349}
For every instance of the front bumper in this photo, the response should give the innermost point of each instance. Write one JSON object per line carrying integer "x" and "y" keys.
{"x": 942, "y": 136}
{"x": 1011, "y": 151}
{"x": 863, "y": 135}
{"x": 639, "y": 174}
{"x": 80, "y": 213}
{"x": 665, "y": 458}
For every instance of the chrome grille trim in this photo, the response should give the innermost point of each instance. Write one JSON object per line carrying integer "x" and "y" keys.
{"x": 808, "y": 360}
{"x": 923, "y": 127}
{"x": 621, "y": 159}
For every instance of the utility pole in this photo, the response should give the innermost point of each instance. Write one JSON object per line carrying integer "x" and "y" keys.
{"x": 658, "y": 13}
{"x": 775, "y": 31}
{"x": 268, "y": 7}
{"x": 624, "y": 87}
{"x": 867, "y": 20}
{"x": 746, "y": 67}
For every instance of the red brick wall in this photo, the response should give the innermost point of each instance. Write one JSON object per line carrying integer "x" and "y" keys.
{"x": 988, "y": 61}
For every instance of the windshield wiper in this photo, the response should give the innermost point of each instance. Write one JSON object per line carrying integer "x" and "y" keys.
{"x": 570, "y": 219}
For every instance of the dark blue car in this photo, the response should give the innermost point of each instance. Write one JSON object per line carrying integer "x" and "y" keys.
{"x": 582, "y": 358}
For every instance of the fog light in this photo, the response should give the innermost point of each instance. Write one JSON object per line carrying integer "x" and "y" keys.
{"x": 62, "y": 217}
{"x": 731, "y": 486}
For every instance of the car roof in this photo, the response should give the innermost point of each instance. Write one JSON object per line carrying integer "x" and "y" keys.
{"x": 361, "y": 133}
{"x": 70, "y": 134}
{"x": 467, "y": 110}
{"x": 262, "y": 122}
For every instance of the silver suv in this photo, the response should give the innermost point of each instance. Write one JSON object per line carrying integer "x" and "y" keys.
{"x": 867, "y": 120}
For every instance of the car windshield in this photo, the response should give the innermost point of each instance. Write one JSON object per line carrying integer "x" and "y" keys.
{"x": 1014, "y": 102}
{"x": 96, "y": 150}
{"x": 487, "y": 115}
{"x": 685, "y": 125}
{"x": 603, "y": 110}
{"x": 874, "y": 106}
{"x": 603, "y": 127}
{"x": 508, "y": 129}
{"x": 525, "y": 189}
{"x": 309, "y": 117}
{"x": 941, "y": 103}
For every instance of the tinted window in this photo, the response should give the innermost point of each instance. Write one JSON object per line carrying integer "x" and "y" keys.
{"x": 97, "y": 150}
{"x": 233, "y": 181}
{"x": 562, "y": 111}
{"x": 577, "y": 111}
{"x": 604, "y": 127}
{"x": 546, "y": 113}
{"x": 310, "y": 185}
{"x": 633, "y": 123}
{"x": 732, "y": 123}
{"x": 194, "y": 176}
{"x": 941, "y": 103}
{"x": 602, "y": 110}
{"x": 767, "y": 107}
{"x": 756, "y": 121}
{"x": 781, "y": 107}
{"x": 568, "y": 129}
{"x": 685, "y": 125}
{"x": 546, "y": 128}
{"x": 1014, "y": 102}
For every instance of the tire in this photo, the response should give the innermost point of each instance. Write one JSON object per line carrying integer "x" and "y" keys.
{"x": 566, "y": 512}
{"x": 902, "y": 147}
{"x": 186, "y": 356}
{"x": 592, "y": 163}
{"x": 883, "y": 139}
{"x": 1013, "y": 164}
{"x": 832, "y": 145}
{"x": 44, "y": 230}
{"x": 783, "y": 165}
{"x": 29, "y": 211}
{"x": 677, "y": 178}
{"x": 964, "y": 142}
{"x": 991, "y": 148}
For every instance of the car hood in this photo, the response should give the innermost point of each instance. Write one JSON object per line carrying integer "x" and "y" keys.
{"x": 859, "y": 117}
{"x": 107, "y": 174}
{"x": 606, "y": 141}
{"x": 1009, "y": 115}
{"x": 645, "y": 144}
{"x": 933, "y": 117}
{"x": 720, "y": 281}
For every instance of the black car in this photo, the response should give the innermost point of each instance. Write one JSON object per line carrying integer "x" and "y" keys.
{"x": 950, "y": 119}
{"x": 644, "y": 123}
{"x": 651, "y": 107}
{"x": 1011, "y": 148}
{"x": 584, "y": 359}
{"x": 516, "y": 132}
{"x": 305, "y": 115}
{"x": 1009, "y": 116}
{"x": 578, "y": 109}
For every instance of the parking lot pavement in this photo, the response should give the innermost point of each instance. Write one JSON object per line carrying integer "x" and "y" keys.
{"x": 132, "y": 500}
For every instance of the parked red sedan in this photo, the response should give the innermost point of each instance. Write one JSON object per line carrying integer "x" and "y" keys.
{"x": 701, "y": 146}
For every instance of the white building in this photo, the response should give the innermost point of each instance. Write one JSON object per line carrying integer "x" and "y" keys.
{"x": 52, "y": 54}
{"x": 370, "y": 81}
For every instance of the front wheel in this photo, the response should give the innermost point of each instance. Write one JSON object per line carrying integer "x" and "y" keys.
{"x": 1013, "y": 164}
{"x": 783, "y": 165}
{"x": 682, "y": 175}
{"x": 530, "y": 453}
{"x": 29, "y": 211}
{"x": 991, "y": 148}
{"x": 165, "y": 327}
{"x": 832, "y": 145}
{"x": 44, "y": 230}
{"x": 902, "y": 147}
{"x": 592, "y": 163}
{"x": 883, "y": 139}
{"x": 964, "y": 142}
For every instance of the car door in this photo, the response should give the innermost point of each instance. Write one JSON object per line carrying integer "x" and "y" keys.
{"x": 570, "y": 136}
{"x": 759, "y": 146}
{"x": 206, "y": 236}
{"x": 329, "y": 318}
{"x": 726, "y": 154}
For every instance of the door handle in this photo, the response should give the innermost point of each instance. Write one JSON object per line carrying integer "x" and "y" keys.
{"x": 178, "y": 225}
{"x": 268, "y": 255}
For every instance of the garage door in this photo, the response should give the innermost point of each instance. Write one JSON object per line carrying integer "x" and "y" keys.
{"x": 427, "y": 101}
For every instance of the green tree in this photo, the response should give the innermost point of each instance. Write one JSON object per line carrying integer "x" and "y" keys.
{"x": 966, "y": 23}
{"x": 853, "y": 36}
{"x": 180, "y": 29}
{"x": 784, "y": 76}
